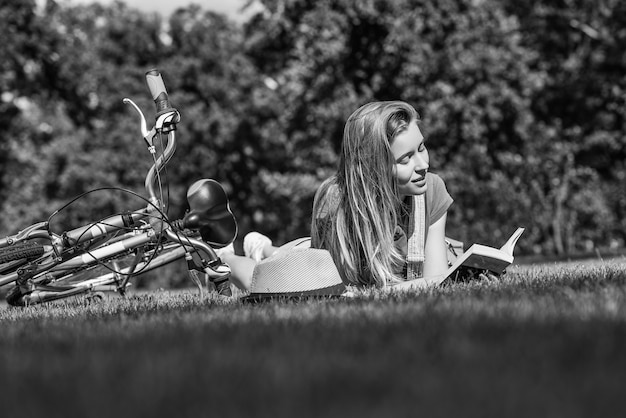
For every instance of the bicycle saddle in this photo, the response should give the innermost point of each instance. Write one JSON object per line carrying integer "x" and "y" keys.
{"x": 210, "y": 213}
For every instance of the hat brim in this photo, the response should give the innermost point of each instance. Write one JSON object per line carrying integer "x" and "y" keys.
{"x": 330, "y": 292}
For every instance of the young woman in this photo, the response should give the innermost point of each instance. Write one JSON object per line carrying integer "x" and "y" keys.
{"x": 382, "y": 216}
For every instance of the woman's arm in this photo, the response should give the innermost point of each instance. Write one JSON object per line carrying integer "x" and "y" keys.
{"x": 436, "y": 259}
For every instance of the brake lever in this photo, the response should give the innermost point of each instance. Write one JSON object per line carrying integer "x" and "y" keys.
{"x": 148, "y": 135}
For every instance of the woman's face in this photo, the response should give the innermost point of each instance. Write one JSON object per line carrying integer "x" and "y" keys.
{"x": 411, "y": 161}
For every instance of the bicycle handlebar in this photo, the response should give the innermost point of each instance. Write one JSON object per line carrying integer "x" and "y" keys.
{"x": 158, "y": 166}
{"x": 158, "y": 91}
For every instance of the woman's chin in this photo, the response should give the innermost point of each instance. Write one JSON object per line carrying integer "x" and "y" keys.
{"x": 413, "y": 189}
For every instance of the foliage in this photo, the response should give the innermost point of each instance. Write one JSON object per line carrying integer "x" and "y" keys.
{"x": 523, "y": 106}
{"x": 580, "y": 112}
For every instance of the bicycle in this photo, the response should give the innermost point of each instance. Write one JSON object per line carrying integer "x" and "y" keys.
{"x": 104, "y": 255}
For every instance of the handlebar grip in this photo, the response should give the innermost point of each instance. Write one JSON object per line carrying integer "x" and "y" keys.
{"x": 158, "y": 91}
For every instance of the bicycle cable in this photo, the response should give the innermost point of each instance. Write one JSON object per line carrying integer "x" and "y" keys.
{"x": 162, "y": 212}
{"x": 161, "y": 217}
{"x": 158, "y": 176}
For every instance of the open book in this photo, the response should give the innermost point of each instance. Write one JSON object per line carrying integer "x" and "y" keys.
{"x": 483, "y": 257}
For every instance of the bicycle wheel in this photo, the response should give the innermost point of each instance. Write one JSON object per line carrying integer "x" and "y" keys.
{"x": 24, "y": 250}
{"x": 15, "y": 256}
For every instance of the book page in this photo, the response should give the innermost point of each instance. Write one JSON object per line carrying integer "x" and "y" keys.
{"x": 509, "y": 246}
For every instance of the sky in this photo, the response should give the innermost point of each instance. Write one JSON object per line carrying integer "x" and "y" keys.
{"x": 166, "y": 7}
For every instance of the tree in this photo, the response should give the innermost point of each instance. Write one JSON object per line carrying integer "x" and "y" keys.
{"x": 72, "y": 134}
{"x": 522, "y": 105}
{"x": 579, "y": 45}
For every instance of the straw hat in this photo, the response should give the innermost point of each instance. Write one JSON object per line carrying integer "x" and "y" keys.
{"x": 296, "y": 271}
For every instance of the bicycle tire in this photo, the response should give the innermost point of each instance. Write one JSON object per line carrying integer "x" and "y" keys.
{"x": 27, "y": 250}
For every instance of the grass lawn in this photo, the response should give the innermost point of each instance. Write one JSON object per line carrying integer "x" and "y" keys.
{"x": 545, "y": 340}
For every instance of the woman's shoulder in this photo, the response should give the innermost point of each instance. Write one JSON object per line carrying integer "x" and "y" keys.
{"x": 437, "y": 197}
{"x": 434, "y": 180}
{"x": 435, "y": 185}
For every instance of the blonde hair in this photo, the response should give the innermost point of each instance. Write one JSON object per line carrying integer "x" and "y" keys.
{"x": 361, "y": 201}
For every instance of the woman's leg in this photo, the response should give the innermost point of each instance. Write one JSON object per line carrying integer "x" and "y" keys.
{"x": 258, "y": 246}
{"x": 241, "y": 269}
